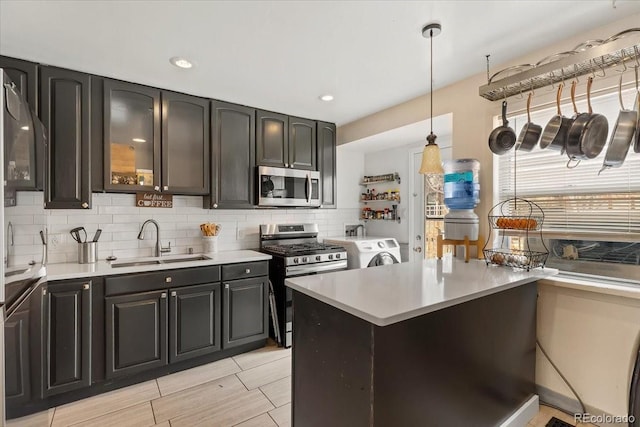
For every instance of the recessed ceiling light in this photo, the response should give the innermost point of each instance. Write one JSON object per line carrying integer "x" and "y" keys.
{"x": 139, "y": 140}
{"x": 25, "y": 128}
{"x": 181, "y": 62}
{"x": 327, "y": 98}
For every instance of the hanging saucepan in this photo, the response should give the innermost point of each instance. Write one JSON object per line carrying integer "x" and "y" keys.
{"x": 588, "y": 133}
{"x": 636, "y": 146}
{"x": 555, "y": 132}
{"x": 622, "y": 135}
{"x": 502, "y": 138}
{"x": 530, "y": 133}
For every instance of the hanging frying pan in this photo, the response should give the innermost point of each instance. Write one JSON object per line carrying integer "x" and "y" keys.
{"x": 588, "y": 133}
{"x": 636, "y": 145}
{"x": 530, "y": 133}
{"x": 555, "y": 132}
{"x": 502, "y": 138}
{"x": 622, "y": 135}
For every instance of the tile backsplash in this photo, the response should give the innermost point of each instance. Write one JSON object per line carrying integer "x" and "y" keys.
{"x": 120, "y": 222}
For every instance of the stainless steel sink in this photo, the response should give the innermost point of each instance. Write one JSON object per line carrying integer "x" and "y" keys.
{"x": 135, "y": 263}
{"x": 187, "y": 259}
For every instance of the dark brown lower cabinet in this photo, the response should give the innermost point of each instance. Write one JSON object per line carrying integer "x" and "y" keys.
{"x": 194, "y": 321}
{"x": 245, "y": 311}
{"x": 67, "y": 336}
{"x": 17, "y": 352}
{"x": 136, "y": 332}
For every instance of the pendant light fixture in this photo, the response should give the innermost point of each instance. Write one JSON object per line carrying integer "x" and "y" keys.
{"x": 431, "y": 161}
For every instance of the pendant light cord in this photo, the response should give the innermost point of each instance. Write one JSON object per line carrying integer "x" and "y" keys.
{"x": 431, "y": 78}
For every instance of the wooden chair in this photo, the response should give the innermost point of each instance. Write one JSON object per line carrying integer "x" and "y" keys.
{"x": 466, "y": 243}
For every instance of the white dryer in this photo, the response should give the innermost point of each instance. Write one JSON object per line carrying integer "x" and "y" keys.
{"x": 363, "y": 252}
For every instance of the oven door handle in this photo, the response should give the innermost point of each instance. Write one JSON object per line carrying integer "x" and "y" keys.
{"x": 309, "y": 189}
{"x": 315, "y": 268}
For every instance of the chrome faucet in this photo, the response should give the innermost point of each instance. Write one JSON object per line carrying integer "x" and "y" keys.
{"x": 8, "y": 241}
{"x": 364, "y": 231}
{"x": 159, "y": 250}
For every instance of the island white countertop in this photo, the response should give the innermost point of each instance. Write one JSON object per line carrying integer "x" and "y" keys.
{"x": 393, "y": 293}
{"x": 103, "y": 268}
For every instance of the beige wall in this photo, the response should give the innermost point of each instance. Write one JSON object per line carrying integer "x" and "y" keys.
{"x": 593, "y": 339}
{"x": 591, "y": 336}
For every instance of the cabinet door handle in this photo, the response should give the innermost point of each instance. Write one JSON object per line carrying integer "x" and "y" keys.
{"x": 226, "y": 286}
{"x": 174, "y": 293}
{"x": 215, "y": 206}
{"x": 157, "y": 188}
{"x": 85, "y": 205}
{"x": 85, "y": 286}
{"x": 286, "y": 165}
{"x": 44, "y": 292}
{"x": 167, "y": 279}
{"x": 163, "y": 295}
{"x": 165, "y": 188}
{"x": 247, "y": 271}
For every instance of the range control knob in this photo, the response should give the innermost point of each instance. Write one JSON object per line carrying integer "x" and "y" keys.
{"x": 337, "y": 256}
{"x": 305, "y": 259}
{"x": 318, "y": 258}
{"x": 330, "y": 256}
{"x": 295, "y": 260}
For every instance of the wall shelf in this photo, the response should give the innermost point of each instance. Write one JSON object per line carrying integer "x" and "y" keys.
{"x": 380, "y": 179}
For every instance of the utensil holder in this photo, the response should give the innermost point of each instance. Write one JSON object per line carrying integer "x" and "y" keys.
{"x": 87, "y": 252}
{"x": 210, "y": 244}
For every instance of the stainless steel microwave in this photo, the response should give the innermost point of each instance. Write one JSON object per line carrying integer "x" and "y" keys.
{"x": 288, "y": 187}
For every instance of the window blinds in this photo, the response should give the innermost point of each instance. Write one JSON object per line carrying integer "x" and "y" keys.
{"x": 575, "y": 199}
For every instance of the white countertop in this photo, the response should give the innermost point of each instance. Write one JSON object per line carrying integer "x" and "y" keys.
{"x": 354, "y": 238}
{"x": 104, "y": 268}
{"x": 393, "y": 293}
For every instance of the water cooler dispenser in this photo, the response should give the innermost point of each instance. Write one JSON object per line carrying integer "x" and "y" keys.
{"x": 461, "y": 196}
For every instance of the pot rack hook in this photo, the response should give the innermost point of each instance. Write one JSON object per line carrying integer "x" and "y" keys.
{"x": 576, "y": 73}
{"x": 521, "y": 96}
{"x": 637, "y": 55}
{"x": 601, "y": 66}
{"x": 623, "y": 61}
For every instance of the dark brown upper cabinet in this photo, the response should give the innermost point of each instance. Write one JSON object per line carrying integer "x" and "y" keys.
{"x": 26, "y": 156}
{"x": 233, "y": 147}
{"x": 185, "y": 144}
{"x": 65, "y": 112}
{"x": 285, "y": 142}
{"x": 131, "y": 137}
{"x": 272, "y": 139}
{"x": 327, "y": 164}
{"x": 154, "y": 140}
{"x": 302, "y": 143}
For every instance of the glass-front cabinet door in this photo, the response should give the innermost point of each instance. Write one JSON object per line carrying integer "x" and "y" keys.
{"x": 131, "y": 137}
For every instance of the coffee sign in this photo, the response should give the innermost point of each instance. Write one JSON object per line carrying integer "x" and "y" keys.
{"x": 154, "y": 200}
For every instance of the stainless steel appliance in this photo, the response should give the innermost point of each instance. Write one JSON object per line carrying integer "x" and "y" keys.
{"x": 296, "y": 252}
{"x": 288, "y": 187}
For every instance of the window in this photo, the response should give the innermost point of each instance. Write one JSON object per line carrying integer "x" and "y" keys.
{"x": 575, "y": 199}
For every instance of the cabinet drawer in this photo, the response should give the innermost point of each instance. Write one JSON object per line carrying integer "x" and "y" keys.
{"x": 245, "y": 270}
{"x": 143, "y": 282}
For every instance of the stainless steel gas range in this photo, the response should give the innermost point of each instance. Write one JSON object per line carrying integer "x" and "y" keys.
{"x": 296, "y": 252}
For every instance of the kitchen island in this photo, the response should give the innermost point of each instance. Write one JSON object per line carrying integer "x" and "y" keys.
{"x": 437, "y": 343}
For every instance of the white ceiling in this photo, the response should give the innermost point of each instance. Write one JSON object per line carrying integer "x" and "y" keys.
{"x": 282, "y": 55}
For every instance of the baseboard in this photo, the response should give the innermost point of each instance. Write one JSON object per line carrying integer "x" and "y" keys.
{"x": 572, "y": 406}
{"x": 524, "y": 414}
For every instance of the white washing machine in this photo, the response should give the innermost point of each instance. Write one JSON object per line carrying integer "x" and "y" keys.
{"x": 363, "y": 252}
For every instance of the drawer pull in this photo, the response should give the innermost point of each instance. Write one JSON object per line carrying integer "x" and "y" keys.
{"x": 247, "y": 271}
{"x": 163, "y": 295}
{"x": 167, "y": 279}
{"x": 85, "y": 286}
{"x": 174, "y": 293}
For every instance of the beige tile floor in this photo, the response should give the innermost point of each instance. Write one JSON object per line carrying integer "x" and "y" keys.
{"x": 248, "y": 390}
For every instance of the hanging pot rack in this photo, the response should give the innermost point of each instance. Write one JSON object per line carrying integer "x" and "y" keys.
{"x": 591, "y": 57}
